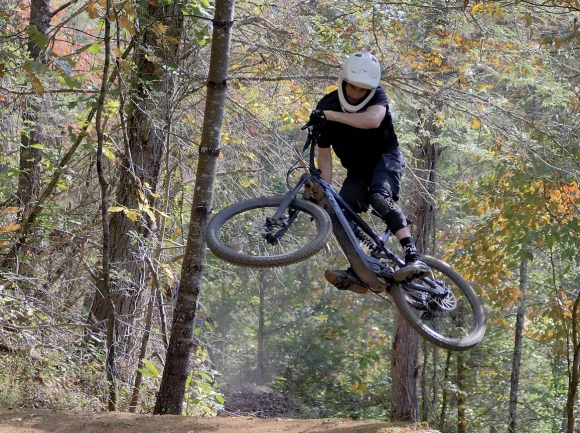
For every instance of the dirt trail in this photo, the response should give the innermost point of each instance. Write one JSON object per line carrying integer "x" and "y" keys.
{"x": 47, "y": 420}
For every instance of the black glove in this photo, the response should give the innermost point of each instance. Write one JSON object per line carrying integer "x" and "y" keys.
{"x": 317, "y": 119}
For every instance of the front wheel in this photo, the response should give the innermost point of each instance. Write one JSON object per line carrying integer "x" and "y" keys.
{"x": 455, "y": 321}
{"x": 245, "y": 233}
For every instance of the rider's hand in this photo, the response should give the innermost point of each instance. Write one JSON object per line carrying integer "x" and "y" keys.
{"x": 317, "y": 118}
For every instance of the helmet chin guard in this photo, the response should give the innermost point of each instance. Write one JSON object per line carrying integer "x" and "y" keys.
{"x": 361, "y": 70}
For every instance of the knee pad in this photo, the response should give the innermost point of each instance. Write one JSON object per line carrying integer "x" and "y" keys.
{"x": 389, "y": 211}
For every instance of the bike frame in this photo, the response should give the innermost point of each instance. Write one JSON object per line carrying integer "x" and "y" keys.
{"x": 365, "y": 266}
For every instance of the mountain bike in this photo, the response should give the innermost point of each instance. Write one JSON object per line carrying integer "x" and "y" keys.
{"x": 280, "y": 230}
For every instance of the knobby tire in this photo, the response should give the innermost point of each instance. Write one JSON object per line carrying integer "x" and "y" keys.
{"x": 461, "y": 329}
{"x": 235, "y": 233}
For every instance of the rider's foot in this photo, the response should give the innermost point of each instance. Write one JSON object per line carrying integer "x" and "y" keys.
{"x": 345, "y": 280}
{"x": 413, "y": 268}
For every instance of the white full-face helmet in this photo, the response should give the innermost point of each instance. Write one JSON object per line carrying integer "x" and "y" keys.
{"x": 362, "y": 70}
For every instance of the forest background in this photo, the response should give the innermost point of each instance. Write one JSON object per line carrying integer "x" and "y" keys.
{"x": 102, "y": 106}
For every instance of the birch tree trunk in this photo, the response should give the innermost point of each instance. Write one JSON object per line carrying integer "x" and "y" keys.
{"x": 516, "y": 363}
{"x": 172, "y": 389}
{"x": 261, "y": 319}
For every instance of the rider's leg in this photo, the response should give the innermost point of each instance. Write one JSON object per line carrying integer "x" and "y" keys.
{"x": 354, "y": 190}
{"x": 383, "y": 192}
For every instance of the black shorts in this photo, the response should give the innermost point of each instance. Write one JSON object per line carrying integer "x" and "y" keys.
{"x": 384, "y": 178}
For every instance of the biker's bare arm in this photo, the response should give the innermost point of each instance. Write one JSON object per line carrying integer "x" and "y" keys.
{"x": 369, "y": 119}
{"x": 324, "y": 162}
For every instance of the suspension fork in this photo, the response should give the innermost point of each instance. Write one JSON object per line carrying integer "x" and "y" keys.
{"x": 272, "y": 238}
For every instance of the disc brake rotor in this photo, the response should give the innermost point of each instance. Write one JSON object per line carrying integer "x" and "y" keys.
{"x": 448, "y": 302}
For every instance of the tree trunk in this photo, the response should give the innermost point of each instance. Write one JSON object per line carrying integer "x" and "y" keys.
{"x": 405, "y": 372}
{"x": 104, "y": 282}
{"x": 172, "y": 389}
{"x": 29, "y": 179}
{"x": 30, "y": 158}
{"x": 406, "y": 342}
{"x": 148, "y": 121}
{"x": 261, "y": 312}
{"x": 155, "y": 290}
{"x": 574, "y": 375}
{"x": 461, "y": 394}
{"x": 445, "y": 396}
{"x": 429, "y": 385}
{"x": 515, "y": 377}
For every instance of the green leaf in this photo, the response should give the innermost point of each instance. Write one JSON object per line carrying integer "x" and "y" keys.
{"x": 30, "y": 65}
{"x": 95, "y": 48}
{"x": 151, "y": 367}
{"x": 40, "y": 38}
{"x": 204, "y": 375}
{"x": 69, "y": 82}
{"x": 146, "y": 372}
{"x": 110, "y": 155}
{"x": 203, "y": 385}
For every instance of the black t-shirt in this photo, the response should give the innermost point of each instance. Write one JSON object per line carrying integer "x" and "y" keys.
{"x": 358, "y": 148}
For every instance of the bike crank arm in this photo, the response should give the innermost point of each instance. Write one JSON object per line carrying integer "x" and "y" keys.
{"x": 431, "y": 287}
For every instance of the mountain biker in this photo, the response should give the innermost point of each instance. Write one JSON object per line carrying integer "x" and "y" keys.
{"x": 355, "y": 122}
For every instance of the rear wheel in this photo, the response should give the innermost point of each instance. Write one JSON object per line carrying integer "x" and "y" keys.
{"x": 246, "y": 235}
{"x": 455, "y": 321}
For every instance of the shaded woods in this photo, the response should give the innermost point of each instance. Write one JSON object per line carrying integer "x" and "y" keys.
{"x": 123, "y": 125}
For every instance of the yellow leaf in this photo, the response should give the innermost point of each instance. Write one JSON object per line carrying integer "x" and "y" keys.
{"x": 36, "y": 83}
{"x": 92, "y": 10}
{"x": 125, "y": 23}
{"x": 244, "y": 182}
{"x": 484, "y": 86}
{"x": 159, "y": 29}
{"x": 475, "y": 123}
{"x": 151, "y": 215}
{"x": 163, "y": 214}
{"x": 330, "y": 88}
{"x": 10, "y": 209}
{"x": 168, "y": 270}
{"x": 131, "y": 214}
{"x": 116, "y": 209}
{"x": 498, "y": 12}
{"x": 9, "y": 227}
{"x": 153, "y": 58}
{"x": 476, "y": 8}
